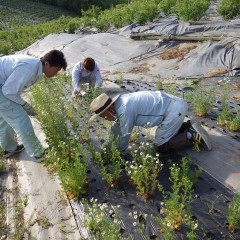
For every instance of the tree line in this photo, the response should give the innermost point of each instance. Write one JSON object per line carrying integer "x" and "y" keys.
{"x": 78, "y": 5}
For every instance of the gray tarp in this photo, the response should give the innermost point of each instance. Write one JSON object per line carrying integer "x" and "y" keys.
{"x": 116, "y": 53}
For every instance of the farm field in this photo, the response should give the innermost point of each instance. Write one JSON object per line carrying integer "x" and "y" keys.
{"x": 184, "y": 195}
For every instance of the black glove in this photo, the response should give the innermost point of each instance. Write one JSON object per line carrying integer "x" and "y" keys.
{"x": 29, "y": 109}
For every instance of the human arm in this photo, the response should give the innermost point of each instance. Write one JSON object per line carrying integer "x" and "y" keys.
{"x": 21, "y": 77}
{"x": 75, "y": 76}
{"x": 98, "y": 77}
{"x": 122, "y": 130}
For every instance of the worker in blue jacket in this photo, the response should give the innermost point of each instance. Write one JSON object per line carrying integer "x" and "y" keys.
{"x": 150, "y": 109}
{"x": 85, "y": 72}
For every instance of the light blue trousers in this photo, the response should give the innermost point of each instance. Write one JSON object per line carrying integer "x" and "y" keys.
{"x": 15, "y": 120}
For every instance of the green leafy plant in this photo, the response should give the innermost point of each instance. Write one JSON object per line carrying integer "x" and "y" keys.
{"x": 176, "y": 205}
{"x": 91, "y": 94}
{"x": 224, "y": 116}
{"x": 191, "y": 9}
{"x": 167, "y": 6}
{"x": 202, "y": 100}
{"x": 159, "y": 84}
{"x": 110, "y": 162}
{"x": 143, "y": 170}
{"x": 2, "y": 160}
{"x": 135, "y": 135}
{"x": 3, "y": 224}
{"x": 59, "y": 119}
{"x": 120, "y": 78}
{"x": 165, "y": 229}
{"x": 102, "y": 222}
{"x": 234, "y": 125}
{"x": 229, "y": 8}
{"x": 211, "y": 208}
{"x": 233, "y": 213}
{"x": 46, "y": 97}
{"x": 1, "y": 165}
{"x": 73, "y": 174}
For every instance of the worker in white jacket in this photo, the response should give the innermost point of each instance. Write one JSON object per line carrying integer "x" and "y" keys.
{"x": 86, "y": 71}
{"x": 18, "y": 72}
{"x": 150, "y": 109}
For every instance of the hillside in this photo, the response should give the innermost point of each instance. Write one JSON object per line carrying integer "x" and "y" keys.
{"x": 168, "y": 54}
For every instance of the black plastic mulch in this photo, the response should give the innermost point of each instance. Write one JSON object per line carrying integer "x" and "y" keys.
{"x": 208, "y": 194}
{"x": 210, "y": 120}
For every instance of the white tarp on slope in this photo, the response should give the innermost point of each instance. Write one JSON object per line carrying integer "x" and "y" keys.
{"x": 107, "y": 49}
{"x": 116, "y": 53}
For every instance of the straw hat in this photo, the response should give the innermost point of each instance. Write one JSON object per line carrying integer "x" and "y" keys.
{"x": 101, "y": 103}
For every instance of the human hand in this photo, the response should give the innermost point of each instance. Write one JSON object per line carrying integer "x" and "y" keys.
{"x": 29, "y": 109}
{"x": 83, "y": 93}
{"x": 76, "y": 94}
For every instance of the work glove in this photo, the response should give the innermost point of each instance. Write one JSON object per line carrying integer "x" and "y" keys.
{"x": 29, "y": 109}
{"x": 76, "y": 94}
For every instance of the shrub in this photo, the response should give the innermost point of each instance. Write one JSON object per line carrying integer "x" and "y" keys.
{"x": 167, "y": 6}
{"x": 233, "y": 213}
{"x": 229, "y": 8}
{"x": 191, "y": 9}
{"x": 234, "y": 125}
{"x": 202, "y": 101}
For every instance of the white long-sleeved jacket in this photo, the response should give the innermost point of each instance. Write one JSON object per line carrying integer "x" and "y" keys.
{"x": 18, "y": 72}
{"x": 144, "y": 108}
{"x": 80, "y": 76}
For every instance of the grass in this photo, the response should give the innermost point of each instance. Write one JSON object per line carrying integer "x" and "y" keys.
{"x": 28, "y": 12}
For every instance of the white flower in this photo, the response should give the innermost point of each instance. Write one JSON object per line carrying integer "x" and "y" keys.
{"x": 141, "y": 153}
{"x": 168, "y": 224}
{"x": 195, "y": 226}
{"x": 157, "y": 162}
{"x": 157, "y": 154}
{"x": 104, "y": 205}
{"x": 129, "y": 172}
{"x": 134, "y": 224}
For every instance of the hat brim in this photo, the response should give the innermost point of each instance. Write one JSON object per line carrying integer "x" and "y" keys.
{"x": 114, "y": 99}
